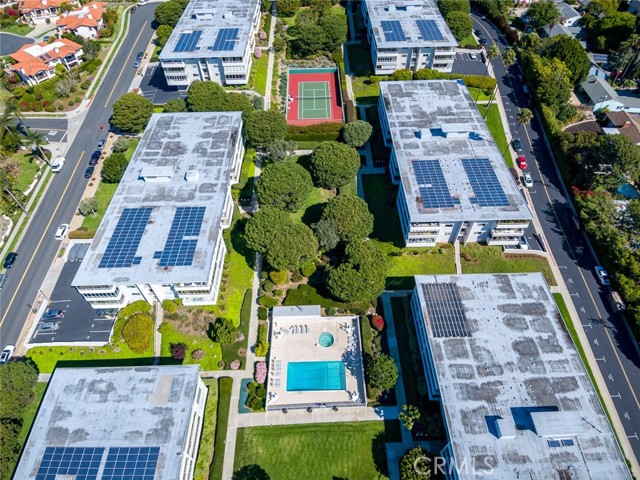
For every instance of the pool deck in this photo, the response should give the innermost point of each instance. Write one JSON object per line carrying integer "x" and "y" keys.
{"x": 289, "y": 346}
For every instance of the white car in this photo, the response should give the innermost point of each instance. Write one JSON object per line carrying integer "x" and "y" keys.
{"x": 6, "y": 353}
{"x": 57, "y": 164}
{"x": 62, "y": 231}
{"x": 527, "y": 180}
{"x": 523, "y": 244}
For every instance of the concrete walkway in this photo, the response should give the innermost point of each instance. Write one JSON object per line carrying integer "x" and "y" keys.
{"x": 456, "y": 257}
{"x": 270, "y": 64}
{"x": 157, "y": 336}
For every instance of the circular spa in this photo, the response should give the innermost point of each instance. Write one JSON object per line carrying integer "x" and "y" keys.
{"x": 325, "y": 339}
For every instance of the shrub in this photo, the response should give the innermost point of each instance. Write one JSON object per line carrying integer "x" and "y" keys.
{"x": 331, "y": 311}
{"x": 198, "y": 354}
{"x": 296, "y": 277}
{"x": 278, "y": 293}
{"x": 168, "y": 306}
{"x": 222, "y": 331}
{"x": 88, "y": 206}
{"x": 279, "y": 277}
{"x": 260, "y": 374}
{"x": 235, "y": 364}
{"x": 263, "y": 313}
{"x": 308, "y": 269}
{"x": 138, "y": 332}
{"x": 267, "y": 302}
{"x": 377, "y": 322}
{"x": 121, "y": 145}
{"x": 178, "y": 350}
{"x": 136, "y": 307}
{"x": 262, "y": 349}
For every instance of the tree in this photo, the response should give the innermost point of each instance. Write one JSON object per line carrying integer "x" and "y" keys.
{"x": 263, "y": 226}
{"x": 552, "y": 80}
{"x": 361, "y": 276}
{"x": 320, "y": 7}
{"x": 357, "y": 133}
{"x": 627, "y": 58}
{"x": 310, "y": 40}
{"x": 9, "y": 446}
{"x": 280, "y": 150}
{"x": 287, "y": 8}
{"x": 178, "y": 351}
{"x": 415, "y": 465}
{"x": 238, "y": 102}
{"x": 447, "y": 6}
{"x": 569, "y": 50}
{"x": 382, "y": 372}
{"x": 168, "y": 13}
{"x": 350, "y": 215}
{"x": 284, "y": 185}
{"x": 403, "y": 74}
{"x": 114, "y": 167}
{"x": 543, "y": 13}
{"x": 327, "y": 234}
{"x": 223, "y": 331}
{"x": 619, "y": 160}
{"x": 163, "y": 32}
{"x": 88, "y": 206}
{"x": 121, "y": 145}
{"x": 460, "y": 24}
{"x": 408, "y": 416}
{"x": 17, "y": 381}
{"x": 91, "y": 49}
{"x": 138, "y": 332}
{"x": 176, "y": 105}
{"x": 334, "y": 164}
{"x": 509, "y": 57}
{"x": 36, "y": 140}
{"x": 264, "y": 127}
{"x": 492, "y": 52}
{"x": 335, "y": 31}
{"x": 206, "y": 96}
{"x": 524, "y": 116}
{"x": 291, "y": 247}
{"x": 131, "y": 112}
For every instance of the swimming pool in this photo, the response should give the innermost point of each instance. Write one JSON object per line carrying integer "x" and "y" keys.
{"x": 309, "y": 376}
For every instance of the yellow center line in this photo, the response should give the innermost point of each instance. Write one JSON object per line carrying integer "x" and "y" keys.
{"x": 126, "y": 63}
{"x": 40, "y": 242}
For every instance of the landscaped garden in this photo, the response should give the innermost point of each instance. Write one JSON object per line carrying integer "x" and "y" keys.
{"x": 494, "y": 123}
{"x": 222, "y": 422}
{"x": 258, "y": 74}
{"x": 208, "y": 435}
{"x": 320, "y": 451}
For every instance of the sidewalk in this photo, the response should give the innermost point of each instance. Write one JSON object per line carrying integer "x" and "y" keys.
{"x": 267, "y": 96}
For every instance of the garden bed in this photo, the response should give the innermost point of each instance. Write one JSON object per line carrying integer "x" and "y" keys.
{"x": 222, "y": 420}
{"x": 208, "y": 435}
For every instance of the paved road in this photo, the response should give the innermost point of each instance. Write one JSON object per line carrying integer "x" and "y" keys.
{"x": 611, "y": 344}
{"x": 38, "y": 246}
{"x": 10, "y": 43}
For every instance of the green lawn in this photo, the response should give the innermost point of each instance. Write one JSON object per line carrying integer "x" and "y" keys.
{"x": 353, "y": 451}
{"x": 213, "y": 351}
{"x": 17, "y": 29}
{"x": 312, "y": 208}
{"x": 418, "y": 261}
{"x": 258, "y": 75}
{"x": 364, "y": 89}
{"x": 468, "y": 40}
{"x": 310, "y": 295}
{"x": 247, "y": 175}
{"x": 29, "y": 413}
{"x": 207, "y": 437}
{"x": 497, "y": 131}
{"x": 224, "y": 403}
{"x": 381, "y": 195}
{"x": 478, "y": 94}
{"x": 28, "y": 169}
{"x": 491, "y": 259}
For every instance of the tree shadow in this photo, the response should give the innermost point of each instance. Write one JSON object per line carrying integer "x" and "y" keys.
{"x": 390, "y": 434}
{"x": 238, "y": 242}
{"x": 251, "y": 472}
{"x": 312, "y": 214}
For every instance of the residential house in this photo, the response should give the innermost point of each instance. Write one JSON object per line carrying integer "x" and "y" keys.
{"x": 627, "y": 124}
{"x": 602, "y": 95}
{"x": 38, "y": 62}
{"x": 569, "y": 15}
{"x": 37, "y": 11}
{"x": 85, "y": 21}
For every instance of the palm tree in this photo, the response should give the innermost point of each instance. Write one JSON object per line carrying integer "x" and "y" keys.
{"x": 6, "y": 184}
{"x": 508, "y": 59}
{"x": 524, "y": 116}
{"x": 36, "y": 140}
{"x": 493, "y": 52}
{"x": 633, "y": 44}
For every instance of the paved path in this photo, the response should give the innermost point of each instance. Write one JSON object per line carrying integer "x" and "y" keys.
{"x": 267, "y": 97}
{"x": 157, "y": 336}
{"x": 456, "y": 251}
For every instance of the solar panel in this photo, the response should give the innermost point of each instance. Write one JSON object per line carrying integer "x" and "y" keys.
{"x": 429, "y": 30}
{"x": 432, "y": 185}
{"x": 445, "y": 310}
{"x": 226, "y": 39}
{"x": 393, "y": 31}
{"x": 84, "y": 463}
{"x": 183, "y": 237}
{"x": 567, "y": 442}
{"x": 122, "y": 247}
{"x": 135, "y": 463}
{"x": 187, "y": 42}
{"x": 601, "y": 58}
{"x": 484, "y": 182}
{"x": 553, "y": 443}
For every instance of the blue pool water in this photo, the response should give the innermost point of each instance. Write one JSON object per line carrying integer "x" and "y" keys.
{"x": 628, "y": 191}
{"x": 308, "y": 376}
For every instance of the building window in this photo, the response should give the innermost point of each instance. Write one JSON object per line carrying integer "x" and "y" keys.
{"x": 177, "y": 78}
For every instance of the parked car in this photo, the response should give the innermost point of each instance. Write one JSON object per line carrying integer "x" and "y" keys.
{"x": 48, "y": 327}
{"x": 133, "y": 9}
{"x": 527, "y": 181}
{"x": 53, "y": 314}
{"x": 616, "y": 302}
{"x": 6, "y": 354}
{"x": 101, "y": 143}
{"x": 10, "y": 259}
{"x": 522, "y": 162}
{"x": 3, "y": 278}
{"x": 478, "y": 33}
{"x": 517, "y": 145}
{"x": 57, "y": 164}
{"x": 139, "y": 56}
{"x": 93, "y": 161}
{"x": 62, "y": 231}
{"x": 523, "y": 244}
{"x": 602, "y": 275}
{"x": 88, "y": 173}
{"x": 483, "y": 41}
{"x": 136, "y": 64}
{"x": 473, "y": 56}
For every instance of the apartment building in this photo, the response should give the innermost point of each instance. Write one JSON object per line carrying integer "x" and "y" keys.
{"x": 408, "y": 34}
{"x": 85, "y": 21}
{"x": 453, "y": 182}
{"x": 117, "y": 422}
{"x": 38, "y": 11}
{"x": 214, "y": 40}
{"x": 161, "y": 237}
{"x": 516, "y": 399}
{"x": 38, "y": 62}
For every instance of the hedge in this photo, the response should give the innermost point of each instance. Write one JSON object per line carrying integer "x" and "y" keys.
{"x": 477, "y": 81}
{"x": 327, "y": 127}
{"x": 348, "y": 103}
{"x": 136, "y": 307}
{"x": 314, "y": 137}
{"x": 81, "y": 233}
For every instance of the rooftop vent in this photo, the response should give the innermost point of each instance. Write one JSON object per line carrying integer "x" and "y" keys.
{"x": 227, "y": 15}
{"x": 156, "y": 174}
{"x": 418, "y": 133}
{"x": 456, "y": 129}
{"x": 192, "y": 175}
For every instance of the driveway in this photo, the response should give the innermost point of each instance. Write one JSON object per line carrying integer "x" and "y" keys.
{"x": 465, "y": 64}
{"x": 154, "y": 87}
{"x": 10, "y": 43}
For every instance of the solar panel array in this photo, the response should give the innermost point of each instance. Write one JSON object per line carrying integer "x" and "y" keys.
{"x": 429, "y": 30}
{"x": 434, "y": 192}
{"x": 84, "y": 463}
{"x": 484, "y": 182}
{"x": 122, "y": 247}
{"x": 393, "y": 31}
{"x": 187, "y": 42}
{"x": 183, "y": 237}
{"x": 601, "y": 58}
{"x": 445, "y": 310}
{"x": 138, "y": 463}
{"x": 226, "y": 39}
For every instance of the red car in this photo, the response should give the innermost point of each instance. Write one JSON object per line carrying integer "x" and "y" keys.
{"x": 522, "y": 162}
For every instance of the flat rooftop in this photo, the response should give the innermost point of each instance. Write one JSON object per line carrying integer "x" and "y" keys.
{"x": 324, "y": 354}
{"x": 401, "y": 24}
{"x": 514, "y": 391}
{"x": 164, "y": 219}
{"x": 96, "y": 413}
{"x": 211, "y": 29}
{"x": 450, "y": 167}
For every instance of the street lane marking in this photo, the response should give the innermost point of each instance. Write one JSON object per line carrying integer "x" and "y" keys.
{"x": 601, "y": 360}
{"x": 40, "y": 241}
{"x": 125, "y": 65}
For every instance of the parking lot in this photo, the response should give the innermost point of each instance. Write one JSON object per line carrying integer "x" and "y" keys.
{"x": 79, "y": 324}
{"x": 154, "y": 86}
{"x": 465, "y": 64}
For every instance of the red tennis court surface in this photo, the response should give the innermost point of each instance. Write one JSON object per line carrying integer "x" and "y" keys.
{"x": 303, "y": 107}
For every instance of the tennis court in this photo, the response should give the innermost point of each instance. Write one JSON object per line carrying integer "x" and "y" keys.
{"x": 313, "y": 96}
{"x": 313, "y": 100}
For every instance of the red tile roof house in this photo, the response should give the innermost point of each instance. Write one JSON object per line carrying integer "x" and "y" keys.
{"x": 37, "y": 11}
{"x": 85, "y": 21}
{"x": 37, "y": 63}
